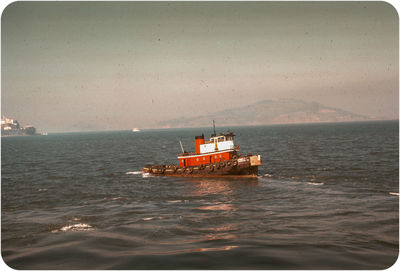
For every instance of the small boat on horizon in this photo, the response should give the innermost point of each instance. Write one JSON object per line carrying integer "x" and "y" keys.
{"x": 136, "y": 130}
{"x": 217, "y": 157}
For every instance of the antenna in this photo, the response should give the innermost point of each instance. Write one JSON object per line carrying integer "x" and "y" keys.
{"x": 214, "y": 128}
{"x": 181, "y": 146}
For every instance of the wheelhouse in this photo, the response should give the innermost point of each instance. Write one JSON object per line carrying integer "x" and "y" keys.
{"x": 216, "y": 149}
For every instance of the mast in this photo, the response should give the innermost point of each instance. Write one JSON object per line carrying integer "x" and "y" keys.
{"x": 215, "y": 134}
{"x": 181, "y": 146}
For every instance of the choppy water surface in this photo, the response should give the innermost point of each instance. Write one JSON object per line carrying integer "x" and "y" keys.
{"x": 327, "y": 197}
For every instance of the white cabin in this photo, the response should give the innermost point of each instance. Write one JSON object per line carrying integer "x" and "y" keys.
{"x": 218, "y": 143}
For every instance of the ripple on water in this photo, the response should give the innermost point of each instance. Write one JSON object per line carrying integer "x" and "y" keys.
{"x": 74, "y": 227}
{"x": 133, "y": 173}
{"x": 315, "y": 183}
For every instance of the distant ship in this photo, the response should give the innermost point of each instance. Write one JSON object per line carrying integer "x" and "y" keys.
{"x": 135, "y": 130}
{"x": 217, "y": 157}
{"x": 11, "y": 127}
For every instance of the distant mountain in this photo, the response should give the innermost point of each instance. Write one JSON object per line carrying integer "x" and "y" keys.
{"x": 269, "y": 112}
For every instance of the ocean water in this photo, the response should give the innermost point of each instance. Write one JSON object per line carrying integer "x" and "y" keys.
{"x": 327, "y": 197}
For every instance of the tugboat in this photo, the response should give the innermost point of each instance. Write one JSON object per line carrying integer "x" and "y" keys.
{"x": 217, "y": 157}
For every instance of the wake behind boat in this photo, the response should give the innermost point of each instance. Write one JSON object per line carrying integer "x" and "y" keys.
{"x": 217, "y": 157}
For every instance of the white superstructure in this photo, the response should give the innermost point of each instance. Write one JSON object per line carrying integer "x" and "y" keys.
{"x": 5, "y": 120}
{"x": 218, "y": 143}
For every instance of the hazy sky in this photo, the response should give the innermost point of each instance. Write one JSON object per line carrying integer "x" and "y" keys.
{"x": 107, "y": 65}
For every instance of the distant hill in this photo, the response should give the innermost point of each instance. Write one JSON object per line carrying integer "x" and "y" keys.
{"x": 269, "y": 112}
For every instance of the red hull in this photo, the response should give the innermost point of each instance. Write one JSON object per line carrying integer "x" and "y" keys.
{"x": 237, "y": 167}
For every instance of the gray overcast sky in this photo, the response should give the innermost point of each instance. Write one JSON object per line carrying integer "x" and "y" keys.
{"x": 118, "y": 65}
